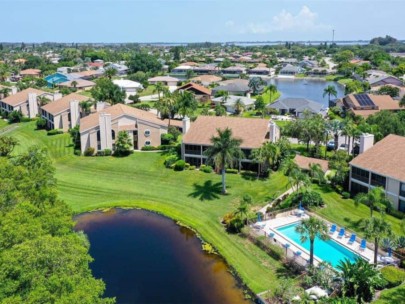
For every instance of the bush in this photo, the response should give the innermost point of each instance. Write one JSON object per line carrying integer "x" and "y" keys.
{"x": 179, "y": 165}
{"x": 167, "y": 139}
{"x": 77, "y": 152}
{"x": 345, "y": 195}
{"x": 142, "y": 106}
{"x": 89, "y": 151}
{"x": 206, "y": 169}
{"x": 107, "y": 152}
{"x": 25, "y": 119}
{"x": 40, "y": 123}
{"x": 15, "y": 116}
{"x": 395, "y": 213}
{"x": 187, "y": 166}
{"x": 393, "y": 275}
{"x": 232, "y": 171}
{"x": 233, "y": 223}
{"x": 170, "y": 160}
{"x": 149, "y": 148}
{"x": 191, "y": 168}
{"x": 54, "y": 132}
{"x": 174, "y": 132}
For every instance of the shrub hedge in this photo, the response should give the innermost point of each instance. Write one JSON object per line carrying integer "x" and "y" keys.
{"x": 393, "y": 275}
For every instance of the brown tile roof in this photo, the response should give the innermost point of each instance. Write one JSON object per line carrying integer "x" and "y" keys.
{"x": 195, "y": 86}
{"x": 190, "y": 63}
{"x": 30, "y": 72}
{"x": 88, "y": 73}
{"x": 63, "y": 104}
{"x": 386, "y": 157}
{"x": 20, "y": 97}
{"x": 81, "y": 83}
{"x": 304, "y": 162}
{"x": 252, "y": 131}
{"x": 383, "y": 102}
{"x": 116, "y": 111}
{"x": 206, "y": 78}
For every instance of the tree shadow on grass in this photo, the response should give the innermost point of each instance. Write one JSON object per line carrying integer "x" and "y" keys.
{"x": 207, "y": 191}
{"x": 355, "y": 225}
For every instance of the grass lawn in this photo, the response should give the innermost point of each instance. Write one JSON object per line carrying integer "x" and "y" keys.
{"x": 344, "y": 213}
{"x": 86, "y": 93}
{"x": 3, "y": 123}
{"x": 148, "y": 91}
{"x": 274, "y": 96}
{"x": 140, "y": 180}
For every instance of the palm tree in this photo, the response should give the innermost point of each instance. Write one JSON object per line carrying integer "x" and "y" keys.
{"x": 74, "y": 84}
{"x": 189, "y": 74}
{"x": 334, "y": 126}
{"x": 110, "y": 73}
{"x": 297, "y": 178}
{"x": 224, "y": 152}
{"x": 225, "y": 96}
{"x": 85, "y": 106}
{"x": 402, "y": 102}
{"x": 243, "y": 208}
{"x": 316, "y": 172}
{"x": 255, "y": 83}
{"x": 4, "y": 73}
{"x": 359, "y": 279}
{"x": 43, "y": 100}
{"x": 376, "y": 229}
{"x": 166, "y": 106}
{"x": 186, "y": 103}
{"x": 4, "y": 92}
{"x": 374, "y": 199}
{"x": 330, "y": 90}
{"x": 239, "y": 106}
{"x": 310, "y": 229}
{"x": 267, "y": 155}
{"x": 272, "y": 89}
{"x": 159, "y": 88}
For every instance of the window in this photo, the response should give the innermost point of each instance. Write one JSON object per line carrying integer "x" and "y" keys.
{"x": 98, "y": 135}
{"x": 360, "y": 174}
{"x": 357, "y": 188}
{"x": 112, "y": 134}
{"x": 147, "y": 143}
{"x": 378, "y": 180}
{"x": 402, "y": 189}
{"x": 147, "y": 133}
{"x": 401, "y": 205}
{"x": 192, "y": 149}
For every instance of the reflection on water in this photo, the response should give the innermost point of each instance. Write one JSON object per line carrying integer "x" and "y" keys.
{"x": 146, "y": 258}
{"x": 306, "y": 88}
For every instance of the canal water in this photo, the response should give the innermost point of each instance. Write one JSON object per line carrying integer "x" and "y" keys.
{"x": 311, "y": 89}
{"x": 147, "y": 258}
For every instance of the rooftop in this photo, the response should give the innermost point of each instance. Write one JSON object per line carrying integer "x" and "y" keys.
{"x": 116, "y": 111}
{"x": 304, "y": 162}
{"x": 80, "y": 83}
{"x": 20, "y": 97}
{"x": 252, "y": 131}
{"x": 386, "y": 157}
{"x": 30, "y": 72}
{"x": 63, "y": 104}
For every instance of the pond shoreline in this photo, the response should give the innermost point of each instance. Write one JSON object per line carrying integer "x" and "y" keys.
{"x": 248, "y": 293}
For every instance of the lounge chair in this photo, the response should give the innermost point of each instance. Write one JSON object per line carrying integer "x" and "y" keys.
{"x": 352, "y": 239}
{"x": 332, "y": 229}
{"x": 363, "y": 245}
{"x": 341, "y": 233}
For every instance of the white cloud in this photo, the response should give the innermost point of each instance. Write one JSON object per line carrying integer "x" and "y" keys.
{"x": 229, "y": 23}
{"x": 304, "y": 21}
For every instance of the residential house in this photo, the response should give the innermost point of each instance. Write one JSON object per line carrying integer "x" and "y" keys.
{"x": 261, "y": 71}
{"x": 238, "y": 87}
{"x": 166, "y": 80}
{"x": 31, "y": 73}
{"x": 380, "y": 165}
{"x": 379, "y": 78}
{"x": 206, "y": 80}
{"x": 121, "y": 69}
{"x": 369, "y": 104}
{"x": 24, "y": 101}
{"x": 233, "y": 71}
{"x": 230, "y": 101}
{"x": 180, "y": 71}
{"x": 205, "y": 69}
{"x": 128, "y": 86}
{"x": 63, "y": 113}
{"x": 297, "y": 106}
{"x": 253, "y": 133}
{"x": 200, "y": 92}
{"x": 304, "y": 163}
{"x": 100, "y": 130}
{"x": 290, "y": 70}
{"x": 57, "y": 78}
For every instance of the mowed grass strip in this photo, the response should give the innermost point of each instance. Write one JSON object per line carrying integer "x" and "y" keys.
{"x": 141, "y": 181}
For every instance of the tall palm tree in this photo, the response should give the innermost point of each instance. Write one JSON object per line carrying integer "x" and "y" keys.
{"x": 74, "y": 84}
{"x": 239, "y": 106}
{"x": 224, "y": 152}
{"x": 167, "y": 105}
{"x": 159, "y": 89}
{"x": 330, "y": 90}
{"x": 110, "y": 73}
{"x": 85, "y": 106}
{"x": 4, "y": 73}
{"x": 316, "y": 172}
{"x": 43, "y": 100}
{"x": 309, "y": 229}
{"x": 186, "y": 103}
{"x": 334, "y": 126}
{"x": 376, "y": 229}
{"x": 374, "y": 199}
{"x": 272, "y": 89}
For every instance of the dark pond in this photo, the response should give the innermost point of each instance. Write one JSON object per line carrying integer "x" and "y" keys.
{"x": 146, "y": 258}
{"x": 311, "y": 89}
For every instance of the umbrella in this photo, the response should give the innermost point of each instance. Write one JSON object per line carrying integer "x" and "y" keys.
{"x": 259, "y": 217}
{"x": 317, "y": 291}
{"x": 389, "y": 252}
{"x": 300, "y": 206}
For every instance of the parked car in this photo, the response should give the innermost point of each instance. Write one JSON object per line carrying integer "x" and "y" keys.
{"x": 330, "y": 145}
{"x": 343, "y": 147}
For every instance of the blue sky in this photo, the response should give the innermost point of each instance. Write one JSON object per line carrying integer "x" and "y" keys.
{"x": 198, "y": 20}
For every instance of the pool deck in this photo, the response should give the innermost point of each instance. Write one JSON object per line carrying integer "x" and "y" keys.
{"x": 270, "y": 226}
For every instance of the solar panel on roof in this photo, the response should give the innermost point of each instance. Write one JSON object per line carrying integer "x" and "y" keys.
{"x": 364, "y": 100}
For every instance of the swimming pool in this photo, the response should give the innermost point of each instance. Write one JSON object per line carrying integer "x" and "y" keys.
{"x": 329, "y": 251}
